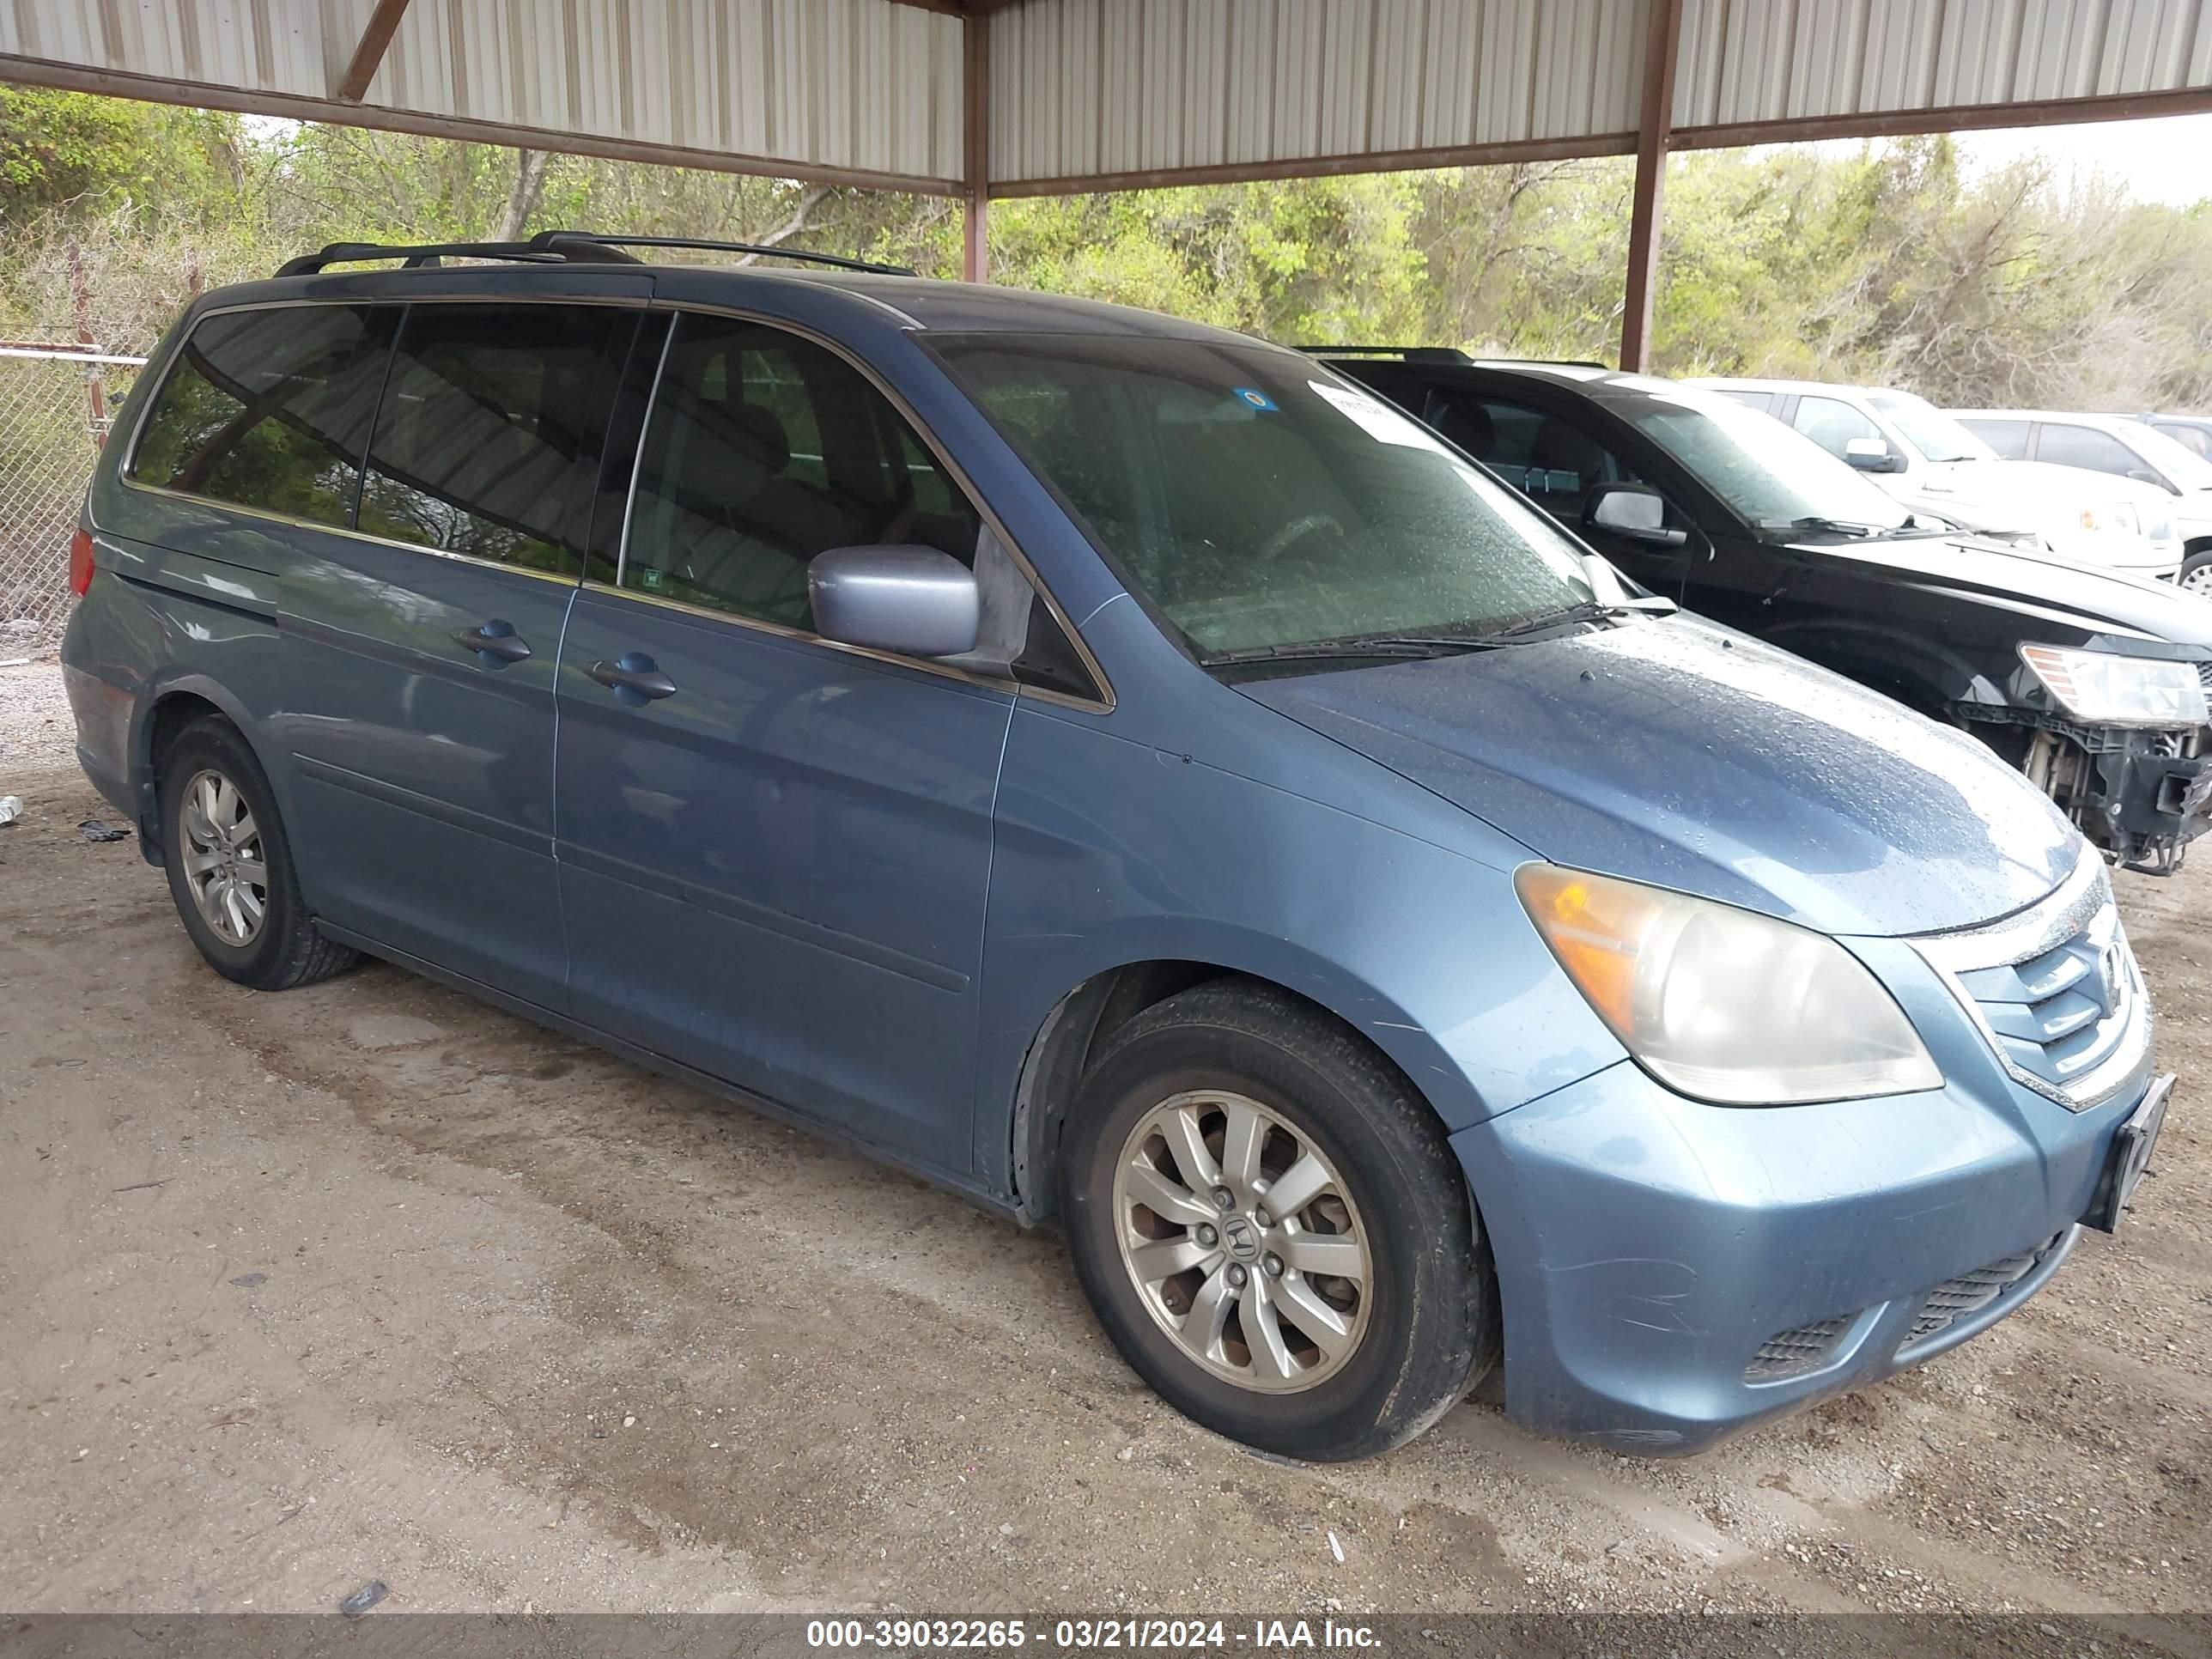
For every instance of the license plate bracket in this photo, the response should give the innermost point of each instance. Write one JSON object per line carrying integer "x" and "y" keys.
{"x": 2129, "y": 1160}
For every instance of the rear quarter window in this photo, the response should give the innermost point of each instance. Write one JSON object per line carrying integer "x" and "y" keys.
{"x": 269, "y": 410}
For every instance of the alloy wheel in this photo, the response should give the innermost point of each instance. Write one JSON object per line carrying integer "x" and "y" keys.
{"x": 225, "y": 868}
{"x": 1242, "y": 1241}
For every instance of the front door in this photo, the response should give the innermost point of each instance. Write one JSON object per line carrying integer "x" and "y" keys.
{"x": 774, "y": 851}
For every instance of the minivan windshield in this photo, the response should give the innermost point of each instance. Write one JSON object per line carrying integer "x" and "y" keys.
{"x": 1929, "y": 429}
{"x": 1773, "y": 478}
{"x": 1257, "y": 501}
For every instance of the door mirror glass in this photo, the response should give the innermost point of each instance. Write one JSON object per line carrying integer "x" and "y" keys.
{"x": 1634, "y": 512}
{"x": 914, "y": 601}
{"x": 1872, "y": 455}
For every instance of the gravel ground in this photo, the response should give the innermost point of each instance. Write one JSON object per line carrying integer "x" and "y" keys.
{"x": 36, "y": 731}
{"x": 368, "y": 1280}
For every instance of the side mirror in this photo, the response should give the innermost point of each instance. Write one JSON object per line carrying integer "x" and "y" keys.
{"x": 915, "y": 601}
{"x": 1872, "y": 455}
{"x": 1632, "y": 512}
{"x": 2144, "y": 475}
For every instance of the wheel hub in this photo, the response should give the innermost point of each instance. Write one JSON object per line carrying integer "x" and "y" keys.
{"x": 1242, "y": 1236}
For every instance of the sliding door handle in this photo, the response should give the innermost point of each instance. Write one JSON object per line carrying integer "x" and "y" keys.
{"x": 635, "y": 678}
{"x": 496, "y": 642}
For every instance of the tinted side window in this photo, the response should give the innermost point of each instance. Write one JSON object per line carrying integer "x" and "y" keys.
{"x": 270, "y": 410}
{"x": 492, "y": 428}
{"x": 2008, "y": 438}
{"x": 764, "y": 449}
{"x": 1547, "y": 456}
{"x": 2084, "y": 446}
{"x": 1831, "y": 423}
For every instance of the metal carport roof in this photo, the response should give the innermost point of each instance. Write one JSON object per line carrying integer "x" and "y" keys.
{"x": 984, "y": 98}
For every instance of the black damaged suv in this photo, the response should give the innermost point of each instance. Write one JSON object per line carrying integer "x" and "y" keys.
{"x": 2094, "y": 684}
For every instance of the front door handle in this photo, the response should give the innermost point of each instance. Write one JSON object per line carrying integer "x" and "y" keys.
{"x": 635, "y": 678}
{"x": 494, "y": 643}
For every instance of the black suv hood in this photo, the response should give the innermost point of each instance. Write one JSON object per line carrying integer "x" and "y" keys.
{"x": 2038, "y": 585}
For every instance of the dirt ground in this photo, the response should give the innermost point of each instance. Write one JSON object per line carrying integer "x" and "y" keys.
{"x": 369, "y": 1281}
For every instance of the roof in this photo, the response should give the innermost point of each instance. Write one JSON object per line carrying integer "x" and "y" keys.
{"x": 2072, "y": 417}
{"x": 1012, "y": 97}
{"x": 920, "y": 302}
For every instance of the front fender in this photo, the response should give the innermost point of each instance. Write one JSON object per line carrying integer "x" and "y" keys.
{"x": 1109, "y": 853}
{"x": 1923, "y": 666}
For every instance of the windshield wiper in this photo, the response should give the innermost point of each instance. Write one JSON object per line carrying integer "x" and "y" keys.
{"x": 1581, "y": 611}
{"x": 1395, "y": 646}
{"x": 1836, "y": 526}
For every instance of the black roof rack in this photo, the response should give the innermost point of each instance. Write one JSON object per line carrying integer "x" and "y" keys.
{"x": 558, "y": 247}
{"x": 416, "y": 255}
{"x": 1411, "y": 354}
{"x": 563, "y": 241}
{"x": 1551, "y": 363}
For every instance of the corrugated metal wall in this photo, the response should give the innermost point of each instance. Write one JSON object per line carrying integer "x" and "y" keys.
{"x": 1081, "y": 87}
{"x": 1765, "y": 60}
{"x": 859, "y": 85}
{"x": 1136, "y": 87}
{"x": 275, "y": 45}
{"x": 838, "y": 83}
{"x": 1126, "y": 89}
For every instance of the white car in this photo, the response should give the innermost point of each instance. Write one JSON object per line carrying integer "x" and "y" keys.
{"x": 1939, "y": 469}
{"x": 2120, "y": 446}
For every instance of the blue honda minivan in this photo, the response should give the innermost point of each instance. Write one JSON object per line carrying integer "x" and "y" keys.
{"x": 1130, "y": 774}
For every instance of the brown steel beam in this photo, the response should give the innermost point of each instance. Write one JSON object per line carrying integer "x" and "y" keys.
{"x": 1661, "y": 48}
{"x": 118, "y": 84}
{"x": 975, "y": 140}
{"x": 375, "y": 41}
{"x": 1327, "y": 167}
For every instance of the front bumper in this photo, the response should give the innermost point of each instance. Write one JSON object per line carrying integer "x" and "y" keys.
{"x": 1651, "y": 1250}
{"x": 1671, "y": 1272}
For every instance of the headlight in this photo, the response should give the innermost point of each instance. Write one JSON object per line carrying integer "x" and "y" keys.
{"x": 2112, "y": 515}
{"x": 2108, "y": 689}
{"x": 1722, "y": 1005}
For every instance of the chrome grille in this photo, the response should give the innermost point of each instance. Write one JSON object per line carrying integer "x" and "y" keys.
{"x": 2055, "y": 991}
{"x": 2204, "y": 674}
{"x": 1955, "y": 1299}
{"x": 1793, "y": 1353}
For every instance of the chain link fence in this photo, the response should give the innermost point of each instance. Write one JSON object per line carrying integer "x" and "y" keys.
{"x": 55, "y": 404}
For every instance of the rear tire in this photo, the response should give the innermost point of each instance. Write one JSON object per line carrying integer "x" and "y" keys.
{"x": 230, "y": 866}
{"x": 1337, "y": 1331}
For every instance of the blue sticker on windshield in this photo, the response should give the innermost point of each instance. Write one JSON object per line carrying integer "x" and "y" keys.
{"x": 1257, "y": 399}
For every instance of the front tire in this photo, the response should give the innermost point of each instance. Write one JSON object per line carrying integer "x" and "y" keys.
{"x": 1270, "y": 1226}
{"x": 2195, "y": 575}
{"x": 230, "y": 866}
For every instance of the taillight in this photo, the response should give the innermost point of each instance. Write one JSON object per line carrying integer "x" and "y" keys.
{"x": 80, "y": 563}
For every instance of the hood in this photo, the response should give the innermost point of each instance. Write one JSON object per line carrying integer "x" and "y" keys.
{"x": 1973, "y": 494}
{"x": 2011, "y": 496}
{"x": 2053, "y": 594}
{"x": 1675, "y": 753}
